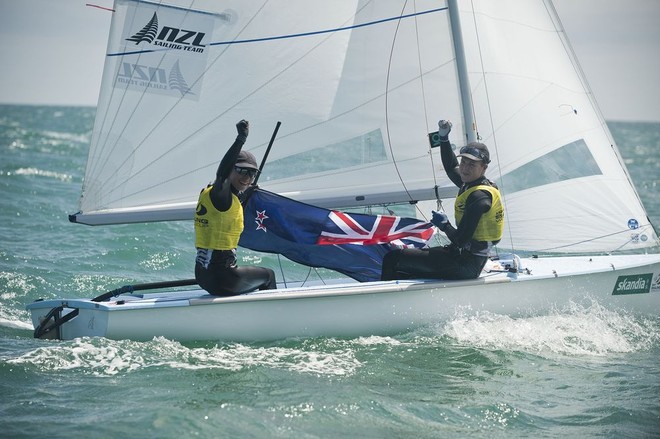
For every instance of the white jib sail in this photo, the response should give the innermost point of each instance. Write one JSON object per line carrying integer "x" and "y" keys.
{"x": 565, "y": 185}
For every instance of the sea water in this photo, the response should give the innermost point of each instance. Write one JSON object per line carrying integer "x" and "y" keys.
{"x": 580, "y": 372}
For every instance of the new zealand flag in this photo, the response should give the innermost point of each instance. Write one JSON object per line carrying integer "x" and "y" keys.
{"x": 352, "y": 244}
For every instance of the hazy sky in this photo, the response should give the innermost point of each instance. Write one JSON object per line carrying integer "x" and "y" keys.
{"x": 52, "y": 52}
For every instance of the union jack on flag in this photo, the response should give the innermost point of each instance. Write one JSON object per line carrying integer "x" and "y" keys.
{"x": 353, "y": 244}
{"x": 385, "y": 230}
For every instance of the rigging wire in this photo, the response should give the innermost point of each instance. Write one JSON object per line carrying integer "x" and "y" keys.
{"x": 490, "y": 115}
{"x": 279, "y": 261}
{"x": 386, "y": 94}
{"x": 436, "y": 236}
{"x": 387, "y": 118}
{"x": 307, "y": 276}
{"x": 426, "y": 117}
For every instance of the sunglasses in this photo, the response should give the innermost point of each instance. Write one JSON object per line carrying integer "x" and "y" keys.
{"x": 475, "y": 152}
{"x": 246, "y": 171}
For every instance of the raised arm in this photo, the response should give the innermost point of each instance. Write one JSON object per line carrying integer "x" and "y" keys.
{"x": 221, "y": 191}
{"x": 449, "y": 160}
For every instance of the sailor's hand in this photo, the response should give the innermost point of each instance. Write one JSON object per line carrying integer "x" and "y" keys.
{"x": 248, "y": 193}
{"x": 243, "y": 127}
{"x": 440, "y": 220}
{"x": 444, "y": 127}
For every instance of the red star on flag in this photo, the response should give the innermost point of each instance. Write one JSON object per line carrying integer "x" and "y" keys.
{"x": 259, "y": 219}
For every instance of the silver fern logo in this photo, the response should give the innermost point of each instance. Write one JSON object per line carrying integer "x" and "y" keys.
{"x": 154, "y": 79}
{"x": 177, "y": 81}
{"x": 169, "y": 37}
{"x": 148, "y": 32}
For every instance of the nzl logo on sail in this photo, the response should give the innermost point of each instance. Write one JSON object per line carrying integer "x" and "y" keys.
{"x": 169, "y": 37}
{"x": 153, "y": 77}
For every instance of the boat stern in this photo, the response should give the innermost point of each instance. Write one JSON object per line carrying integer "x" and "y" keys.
{"x": 67, "y": 319}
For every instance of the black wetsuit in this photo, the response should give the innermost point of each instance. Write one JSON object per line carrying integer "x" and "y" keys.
{"x": 465, "y": 257}
{"x": 216, "y": 271}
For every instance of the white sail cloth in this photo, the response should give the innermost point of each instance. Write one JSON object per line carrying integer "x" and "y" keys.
{"x": 358, "y": 86}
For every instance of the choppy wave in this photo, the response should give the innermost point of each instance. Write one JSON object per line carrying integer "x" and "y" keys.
{"x": 15, "y": 324}
{"x": 103, "y": 357}
{"x": 583, "y": 331}
{"x": 41, "y": 173}
{"x": 579, "y": 330}
{"x": 58, "y": 137}
{"x": 13, "y": 287}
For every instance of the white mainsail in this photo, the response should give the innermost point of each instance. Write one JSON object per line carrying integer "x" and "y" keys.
{"x": 346, "y": 85}
{"x": 358, "y": 86}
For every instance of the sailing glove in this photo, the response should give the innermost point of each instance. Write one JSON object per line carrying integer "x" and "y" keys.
{"x": 440, "y": 220}
{"x": 444, "y": 127}
{"x": 243, "y": 127}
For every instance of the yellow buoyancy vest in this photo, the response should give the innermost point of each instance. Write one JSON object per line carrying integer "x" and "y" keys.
{"x": 214, "y": 229}
{"x": 491, "y": 224}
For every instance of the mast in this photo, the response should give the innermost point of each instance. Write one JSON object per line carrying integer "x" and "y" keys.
{"x": 461, "y": 67}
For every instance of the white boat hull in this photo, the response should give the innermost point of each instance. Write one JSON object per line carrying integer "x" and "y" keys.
{"x": 627, "y": 283}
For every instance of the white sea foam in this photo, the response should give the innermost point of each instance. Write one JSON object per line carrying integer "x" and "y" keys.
{"x": 14, "y": 287}
{"x": 377, "y": 340}
{"x": 15, "y": 324}
{"x": 42, "y": 173}
{"x": 579, "y": 330}
{"x": 103, "y": 357}
{"x": 65, "y": 136}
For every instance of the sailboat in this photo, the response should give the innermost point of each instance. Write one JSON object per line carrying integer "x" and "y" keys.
{"x": 359, "y": 87}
